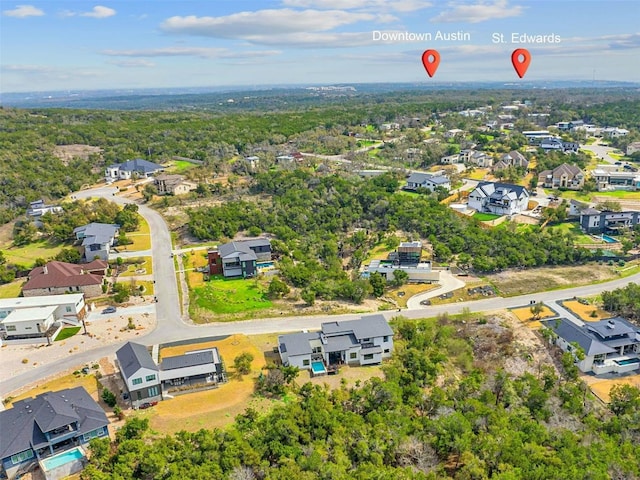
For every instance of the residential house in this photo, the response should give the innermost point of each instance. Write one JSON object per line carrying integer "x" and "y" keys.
{"x": 137, "y": 168}
{"x": 357, "y": 342}
{"x": 563, "y": 176}
{"x": 31, "y": 317}
{"x": 595, "y": 221}
{"x": 610, "y": 346}
{"x": 140, "y": 373}
{"x": 453, "y": 133}
{"x": 38, "y": 208}
{"x": 253, "y": 162}
{"x": 418, "y": 273}
{"x": 613, "y": 177}
{"x": 515, "y": 159}
{"x": 97, "y": 240}
{"x": 425, "y": 180}
{"x": 385, "y": 127}
{"x": 35, "y": 429}
{"x": 195, "y": 368}
{"x": 57, "y": 278}
{"x": 568, "y": 126}
{"x": 450, "y": 159}
{"x": 239, "y": 258}
{"x": 614, "y": 132}
{"x": 559, "y": 145}
{"x": 480, "y": 159}
{"x": 633, "y": 148}
{"x": 537, "y": 136}
{"x": 576, "y": 207}
{"x": 173, "y": 184}
{"x": 499, "y": 198}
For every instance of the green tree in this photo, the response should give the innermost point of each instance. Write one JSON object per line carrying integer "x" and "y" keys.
{"x": 400, "y": 277}
{"x": 108, "y": 397}
{"x": 242, "y": 363}
{"x": 277, "y": 288}
{"x": 377, "y": 284}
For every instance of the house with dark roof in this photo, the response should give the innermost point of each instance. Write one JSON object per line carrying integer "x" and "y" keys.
{"x": 563, "y": 176}
{"x": 140, "y": 373}
{"x": 239, "y": 258}
{"x": 57, "y": 278}
{"x": 599, "y": 222}
{"x": 365, "y": 341}
{"x": 499, "y": 198}
{"x": 96, "y": 240}
{"x": 513, "y": 159}
{"x": 136, "y": 168}
{"x": 611, "y": 345}
{"x": 199, "y": 367}
{"x": 427, "y": 181}
{"x": 49, "y": 424}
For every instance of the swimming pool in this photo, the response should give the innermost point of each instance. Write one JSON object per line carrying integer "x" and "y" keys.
{"x": 62, "y": 458}
{"x": 608, "y": 239}
{"x": 318, "y": 368}
{"x": 264, "y": 265}
{"x": 627, "y": 361}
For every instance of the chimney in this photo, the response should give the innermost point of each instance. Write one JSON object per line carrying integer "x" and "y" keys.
{"x": 45, "y": 270}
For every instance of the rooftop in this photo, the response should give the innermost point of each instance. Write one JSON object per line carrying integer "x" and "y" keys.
{"x": 45, "y": 300}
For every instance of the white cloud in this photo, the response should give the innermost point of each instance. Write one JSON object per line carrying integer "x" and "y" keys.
{"x": 24, "y": 11}
{"x": 99, "y": 12}
{"x": 202, "y": 52}
{"x": 480, "y": 12}
{"x": 394, "y": 5}
{"x": 135, "y": 63}
{"x": 46, "y": 72}
{"x": 264, "y": 23}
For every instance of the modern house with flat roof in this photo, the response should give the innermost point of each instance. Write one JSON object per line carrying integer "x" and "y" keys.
{"x": 36, "y": 429}
{"x": 96, "y": 240}
{"x": 198, "y": 367}
{"x": 614, "y": 177}
{"x": 239, "y": 258}
{"x": 595, "y": 221}
{"x": 357, "y": 342}
{"x": 611, "y": 345}
{"x": 38, "y": 208}
{"x": 29, "y": 317}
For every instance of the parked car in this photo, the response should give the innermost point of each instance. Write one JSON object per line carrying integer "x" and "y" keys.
{"x": 125, "y": 396}
{"x": 146, "y": 405}
{"x": 111, "y": 309}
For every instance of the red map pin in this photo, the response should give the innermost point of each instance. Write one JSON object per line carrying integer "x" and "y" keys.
{"x": 521, "y": 58}
{"x": 431, "y": 60}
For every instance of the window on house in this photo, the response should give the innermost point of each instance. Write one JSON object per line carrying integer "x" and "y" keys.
{"x": 305, "y": 363}
{"x": 21, "y": 457}
{"x": 68, "y": 309}
{"x": 11, "y": 328}
{"x": 150, "y": 378}
{"x": 368, "y": 356}
{"x": 152, "y": 391}
{"x": 385, "y": 338}
{"x": 365, "y": 340}
{"x": 136, "y": 381}
{"x": 353, "y": 355}
{"x": 386, "y": 350}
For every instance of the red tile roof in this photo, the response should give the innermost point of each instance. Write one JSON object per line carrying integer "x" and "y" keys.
{"x": 60, "y": 274}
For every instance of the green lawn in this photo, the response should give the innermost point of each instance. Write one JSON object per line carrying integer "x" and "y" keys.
{"x": 621, "y": 194}
{"x": 11, "y": 290}
{"x": 142, "y": 263}
{"x": 27, "y": 254}
{"x": 66, "y": 333}
{"x": 366, "y": 143}
{"x": 222, "y": 296}
{"x": 181, "y": 166}
{"x": 485, "y": 217}
{"x": 573, "y": 228}
{"x": 141, "y": 238}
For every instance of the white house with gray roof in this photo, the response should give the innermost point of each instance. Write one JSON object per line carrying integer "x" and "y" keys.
{"x": 49, "y": 424}
{"x": 357, "y": 342}
{"x": 430, "y": 182}
{"x": 140, "y": 373}
{"x": 499, "y": 198}
{"x": 611, "y": 345}
{"x": 136, "y": 168}
{"x": 96, "y": 240}
{"x": 192, "y": 368}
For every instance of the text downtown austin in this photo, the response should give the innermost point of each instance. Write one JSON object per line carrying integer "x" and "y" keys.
{"x": 460, "y": 36}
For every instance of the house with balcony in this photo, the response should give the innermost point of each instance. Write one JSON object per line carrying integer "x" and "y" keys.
{"x": 96, "y": 240}
{"x": 499, "y": 198}
{"x": 239, "y": 258}
{"x": 366, "y": 341}
{"x": 615, "y": 177}
{"x": 35, "y": 429}
{"x": 140, "y": 373}
{"x": 597, "y": 222}
{"x": 611, "y": 345}
{"x": 563, "y": 176}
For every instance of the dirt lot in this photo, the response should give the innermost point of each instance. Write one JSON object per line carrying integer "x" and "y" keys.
{"x": 526, "y": 317}
{"x": 601, "y": 388}
{"x": 512, "y": 282}
{"x": 585, "y": 311}
{"x": 69, "y": 152}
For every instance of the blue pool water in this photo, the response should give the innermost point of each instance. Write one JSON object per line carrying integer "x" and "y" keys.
{"x": 608, "y": 239}
{"x": 318, "y": 367}
{"x": 62, "y": 458}
{"x": 264, "y": 264}
{"x": 627, "y": 361}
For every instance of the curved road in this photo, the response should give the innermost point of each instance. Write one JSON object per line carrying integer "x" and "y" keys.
{"x": 170, "y": 327}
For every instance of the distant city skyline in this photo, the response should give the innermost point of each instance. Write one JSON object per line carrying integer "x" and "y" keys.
{"x": 78, "y": 45}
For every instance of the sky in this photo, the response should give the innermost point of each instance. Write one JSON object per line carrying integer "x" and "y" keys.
{"x": 127, "y": 44}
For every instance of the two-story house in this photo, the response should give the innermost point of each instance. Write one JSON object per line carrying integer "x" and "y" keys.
{"x": 167, "y": 184}
{"x": 36, "y": 429}
{"x": 563, "y": 176}
{"x": 357, "y": 342}
{"x": 595, "y": 221}
{"x": 96, "y": 240}
{"x": 38, "y": 208}
{"x": 140, "y": 373}
{"x": 499, "y": 198}
{"x": 427, "y": 181}
{"x": 239, "y": 258}
{"x": 613, "y": 177}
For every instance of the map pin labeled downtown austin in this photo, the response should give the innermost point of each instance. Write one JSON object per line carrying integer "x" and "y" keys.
{"x": 521, "y": 58}
{"x": 431, "y": 60}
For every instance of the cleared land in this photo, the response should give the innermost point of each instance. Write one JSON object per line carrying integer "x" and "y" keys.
{"x": 11, "y": 290}
{"x": 89, "y": 382}
{"x": 525, "y": 316}
{"x": 27, "y": 254}
{"x": 510, "y": 283}
{"x": 405, "y": 292}
{"x": 141, "y": 238}
{"x": 224, "y": 296}
{"x": 585, "y": 312}
{"x": 602, "y": 388}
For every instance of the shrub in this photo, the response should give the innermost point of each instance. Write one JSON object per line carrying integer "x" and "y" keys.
{"x": 242, "y": 363}
{"x": 25, "y": 360}
{"x": 109, "y": 397}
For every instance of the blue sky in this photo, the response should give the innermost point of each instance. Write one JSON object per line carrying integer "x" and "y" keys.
{"x": 73, "y": 45}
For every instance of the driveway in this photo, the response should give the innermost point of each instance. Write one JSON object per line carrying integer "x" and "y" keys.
{"x": 601, "y": 152}
{"x": 448, "y": 283}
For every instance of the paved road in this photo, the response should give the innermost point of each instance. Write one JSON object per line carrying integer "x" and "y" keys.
{"x": 601, "y": 151}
